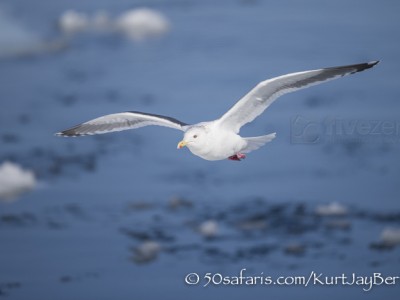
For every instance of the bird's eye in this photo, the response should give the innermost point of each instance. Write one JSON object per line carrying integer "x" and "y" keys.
{"x": 195, "y": 136}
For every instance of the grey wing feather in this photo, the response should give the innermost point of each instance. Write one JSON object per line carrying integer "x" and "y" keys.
{"x": 266, "y": 92}
{"x": 122, "y": 121}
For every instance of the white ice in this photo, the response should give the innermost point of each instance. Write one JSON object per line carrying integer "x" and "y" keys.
{"x": 14, "y": 180}
{"x": 390, "y": 236}
{"x": 142, "y": 23}
{"x": 331, "y": 209}
{"x": 208, "y": 229}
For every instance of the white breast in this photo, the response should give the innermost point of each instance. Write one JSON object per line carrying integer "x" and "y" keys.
{"x": 220, "y": 144}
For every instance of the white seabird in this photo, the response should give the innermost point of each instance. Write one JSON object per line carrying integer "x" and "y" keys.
{"x": 220, "y": 139}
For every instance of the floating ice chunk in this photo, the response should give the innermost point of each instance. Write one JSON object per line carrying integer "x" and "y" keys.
{"x": 390, "y": 236}
{"x": 72, "y": 22}
{"x": 147, "y": 251}
{"x": 208, "y": 229}
{"x": 14, "y": 180}
{"x": 332, "y": 209}
{"x": 142, "y": 23}
{"x": 137, "y": 24}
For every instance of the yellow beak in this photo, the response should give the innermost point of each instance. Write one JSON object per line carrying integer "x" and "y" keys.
{"x": 181, "y": 144}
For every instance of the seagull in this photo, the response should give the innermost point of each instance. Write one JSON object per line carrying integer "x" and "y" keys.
{"x": 220, "y": 139}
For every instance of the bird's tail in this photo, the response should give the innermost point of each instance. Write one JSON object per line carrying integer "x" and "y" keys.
{"x": 253, "y": 143}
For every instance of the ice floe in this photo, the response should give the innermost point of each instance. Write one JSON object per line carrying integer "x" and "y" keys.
{"x": 208, "y": 229}
{"x": 72, "y": 21}
{"x": 14, "y": 180}
{"x": 390, "y": 236}
{"x": 136, "y": 24}
{"x": 146, "y": 252}
{"x": 142, "y": 23}
{"x": 331, "y": 209}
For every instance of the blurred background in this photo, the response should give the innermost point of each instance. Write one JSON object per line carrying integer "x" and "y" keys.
{"x": 126, "y": 215}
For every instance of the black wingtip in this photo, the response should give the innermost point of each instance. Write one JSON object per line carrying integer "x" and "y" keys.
{"x": 373, "y": 63}
{"x": 356, "y": 67}
{"x": 69, "y": 133}
{"x": 63, "y": 134}
{"x": 365, "y": 66}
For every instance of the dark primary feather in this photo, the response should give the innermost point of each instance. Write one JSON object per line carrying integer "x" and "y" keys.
{"x": 333, "y": 72}
{"x": 121, "y": 121}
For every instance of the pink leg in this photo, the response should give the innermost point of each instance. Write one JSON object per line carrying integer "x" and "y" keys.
{"x": 237, "y": 157}
{"x": 241, "y": 156}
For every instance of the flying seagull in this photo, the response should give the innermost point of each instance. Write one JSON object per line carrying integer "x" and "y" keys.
{"x": 220, "y": 139}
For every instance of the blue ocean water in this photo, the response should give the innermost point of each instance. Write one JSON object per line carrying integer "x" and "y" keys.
{"x": 99, "y": 198}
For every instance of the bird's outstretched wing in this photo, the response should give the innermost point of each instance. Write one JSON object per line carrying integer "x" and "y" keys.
{"x": 122, "y": 121}
{"x": 266, "y": 92}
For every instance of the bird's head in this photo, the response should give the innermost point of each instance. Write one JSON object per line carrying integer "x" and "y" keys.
{"x": 194, "y": 138}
